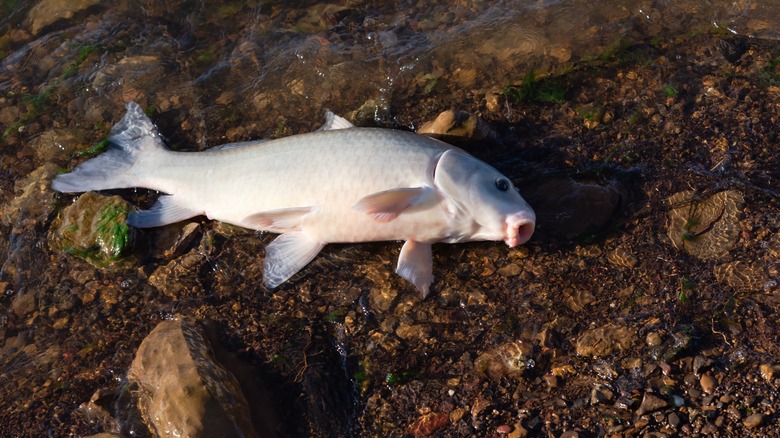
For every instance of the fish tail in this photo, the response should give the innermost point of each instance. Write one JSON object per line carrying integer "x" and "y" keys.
{"x": 133, "y": 141}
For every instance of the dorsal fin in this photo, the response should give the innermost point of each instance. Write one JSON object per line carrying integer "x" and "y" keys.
{"x": 332, "y": 121}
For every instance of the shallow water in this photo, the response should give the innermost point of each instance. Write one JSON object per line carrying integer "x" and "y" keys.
{"x": 211, "y": 72}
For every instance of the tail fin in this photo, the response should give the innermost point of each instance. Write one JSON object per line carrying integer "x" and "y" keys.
{"x": 117, "y": 168}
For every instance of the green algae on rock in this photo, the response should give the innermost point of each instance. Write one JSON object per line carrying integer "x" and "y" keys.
{"x": 94, "y": 228}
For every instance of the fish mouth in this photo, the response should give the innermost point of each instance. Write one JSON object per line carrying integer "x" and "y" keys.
{"x": 519, "y": 229}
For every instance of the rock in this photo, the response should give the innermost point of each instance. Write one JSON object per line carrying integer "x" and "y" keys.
{"x": 95, "y": 229}
{"x": 33, "y": 201}
{"x": 742, "y": 276}
{"x": 708, "y": 383}
{"x": 24, "y": 302}
{"x": 458, "y": 126}
{"x": 705, "y": 228}
{"x": 48, "y": 12}
{"x": 428, "y": 424}
{"x": 182, "y": 390}
{"x": 508, "y": 359}
{"x": 54, "y": 144}
{"x": 753, "y": 421}
{"x": 622, "y": 256}
{"x": 604, "y": 340}
{"x": 651, "y": 403}
{"x": 769, "y": 372}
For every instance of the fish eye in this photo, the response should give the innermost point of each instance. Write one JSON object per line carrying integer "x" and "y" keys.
{"x": 502, "y": 184}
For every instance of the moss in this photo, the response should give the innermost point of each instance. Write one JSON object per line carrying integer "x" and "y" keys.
{"x": 669, "y": 90}
{"x": 533, "y": 89}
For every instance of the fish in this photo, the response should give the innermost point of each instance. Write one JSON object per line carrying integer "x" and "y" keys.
{"x": 338, "y": 184}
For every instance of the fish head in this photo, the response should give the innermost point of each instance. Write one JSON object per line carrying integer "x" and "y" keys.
{"x": 483, "y": 202}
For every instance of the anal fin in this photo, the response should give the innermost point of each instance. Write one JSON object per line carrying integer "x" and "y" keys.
{"x": 167, "y": 210}
{"x": 287, "y": 255}
{"x": 415, "y": 264}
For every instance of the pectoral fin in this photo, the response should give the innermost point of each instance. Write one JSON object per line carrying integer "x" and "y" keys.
{"x": 387, "y": 205}
{"x": 416, "y": 265}
{"x": 277, "y": 221}
{"x": 287, "y": 255}
{"x": 167, "y": 210}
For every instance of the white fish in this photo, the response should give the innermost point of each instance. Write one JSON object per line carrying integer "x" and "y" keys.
{"x": 337, "y": 184}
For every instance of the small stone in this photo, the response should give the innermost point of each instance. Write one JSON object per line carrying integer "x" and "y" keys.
{"x": 24, "y": 302}
{"x": 653, "y": 339}
{"x": 769, "y": 372}
{"x": 510, "y": 270}
{"x": 674, "y": 420}
{"x": 708, "y": 383}
{"x": 753, "y": 421}
{"x": 504, "y": 429}
{"x": 651, "y": 403}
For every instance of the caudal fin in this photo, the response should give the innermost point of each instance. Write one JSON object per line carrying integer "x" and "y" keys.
{"x": 133, "y": 142}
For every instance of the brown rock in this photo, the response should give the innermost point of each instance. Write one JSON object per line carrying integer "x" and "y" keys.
{"x": 651, "y": 403}
{"x": 183, "y": 391}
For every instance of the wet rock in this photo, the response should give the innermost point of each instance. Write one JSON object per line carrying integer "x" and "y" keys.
{"x": 180, "y": 276}
{"x": 622, "y": 256}
{"x": 48, "y": 12}
{"x": 567, "y": 208}
{"x": 95, "y": 229}
{"x": 428, "y": 424}
{"x": 130, "y": 76}
{"x": 508, "y": 359}
{"x": 33, "y": 201}
{"x": 651, "y": 403}
{"x": 753, "y": 421}
{"x": 604, "y": 340}
{"x": 578, "y": 299}
{"x": 706, "y": 228}
{"x": 601, "y": 394}
{"x": 183, "y": 391}
{"x": 24, "y": 302}
{"x": 742, "y": 276}
{"x": 457, "y": 126}
{"x": 708, "y": 383}
{"x": 54, "y": 144}
{"x": 769, "y": 372}
{"x": 8, "y": 115}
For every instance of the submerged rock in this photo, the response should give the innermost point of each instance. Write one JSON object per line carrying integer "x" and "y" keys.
{"x": 706, "y": 228}
{"x": 95, "y": 229}
{"x": 183, "y": 391}
{"x": 48, "y": 12}
{"x": 604, "y": 340}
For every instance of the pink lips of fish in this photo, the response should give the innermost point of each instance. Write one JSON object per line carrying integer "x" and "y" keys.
{"x": 519, "y": 228}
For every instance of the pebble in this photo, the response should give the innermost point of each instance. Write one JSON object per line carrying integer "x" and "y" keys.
{"x": 769, "y": 372}
{"x": 651, "y": 403}
{"x": 674, "y": 420}
{"x": 753, "y": 421}
{"x": 504, "y": 429}
{"x": 708, "y": 383}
